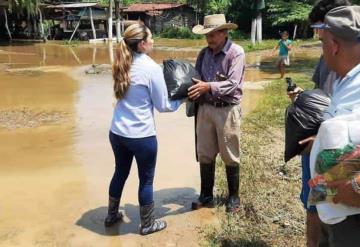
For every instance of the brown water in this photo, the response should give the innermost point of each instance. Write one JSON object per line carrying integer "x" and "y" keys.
{"x": 56, "y": 161}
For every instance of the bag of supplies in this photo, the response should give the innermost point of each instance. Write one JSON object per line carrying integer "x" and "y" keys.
{"x": 303, "y": 119}
{"x": 178, "y": 76}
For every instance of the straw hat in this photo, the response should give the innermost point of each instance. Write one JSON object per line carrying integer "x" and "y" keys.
{"x": 213, "y": 23}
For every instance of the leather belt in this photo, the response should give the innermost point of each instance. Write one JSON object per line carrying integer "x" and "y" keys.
{"x": 221, "y": 104}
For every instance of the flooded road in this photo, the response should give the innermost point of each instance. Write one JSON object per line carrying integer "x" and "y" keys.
{"x": 56, "y": 160}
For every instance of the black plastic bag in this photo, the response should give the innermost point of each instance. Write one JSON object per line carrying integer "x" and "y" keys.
{"x": 178, "y": 76}
{"x": 303, "y": 119}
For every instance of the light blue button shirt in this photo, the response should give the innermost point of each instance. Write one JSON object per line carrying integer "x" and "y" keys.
{"x": 346, "y": 94}
{"x": 134, "y": 114}
{"x": 345, "y": 100}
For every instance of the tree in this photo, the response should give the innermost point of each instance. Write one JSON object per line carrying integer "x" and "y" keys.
{"x": 295, "y": 12}
{"x": 217, "y": 6}
{"x": 29, "y": 7}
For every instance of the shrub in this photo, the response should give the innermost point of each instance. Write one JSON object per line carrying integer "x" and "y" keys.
{"x": 237, "y": 34}
{"x": 179, "y": 33}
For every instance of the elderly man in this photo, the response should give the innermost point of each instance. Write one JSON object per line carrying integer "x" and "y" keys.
{"x": 221, "y": 66}
{"x": 341, "y": 49}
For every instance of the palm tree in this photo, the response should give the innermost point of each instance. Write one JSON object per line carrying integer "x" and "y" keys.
{"x": 31, "y": 8}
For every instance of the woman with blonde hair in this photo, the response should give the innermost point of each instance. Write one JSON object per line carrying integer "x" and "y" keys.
{"x": 139, "y": 86}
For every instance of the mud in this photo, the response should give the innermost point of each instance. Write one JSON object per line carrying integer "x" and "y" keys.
{"x": 56, "y": 161}
{"x": 26, "y": 118}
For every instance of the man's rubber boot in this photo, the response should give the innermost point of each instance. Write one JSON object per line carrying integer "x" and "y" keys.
{"x": 114, "y": 215}
{"x": 233, "y": 177}
{"x": 207, "y": 176}
{"x": 148, "y": 223}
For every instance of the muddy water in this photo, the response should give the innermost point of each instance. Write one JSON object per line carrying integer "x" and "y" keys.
{"x": 56, "y": 161}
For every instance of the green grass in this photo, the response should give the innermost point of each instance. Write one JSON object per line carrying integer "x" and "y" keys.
{"x": 270, "y": 44}
{"x": 271, "y": 213}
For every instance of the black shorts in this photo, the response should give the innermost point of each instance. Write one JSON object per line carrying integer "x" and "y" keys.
{"x": 343, "y": 234}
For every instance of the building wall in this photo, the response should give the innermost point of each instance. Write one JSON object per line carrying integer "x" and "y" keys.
{"x": 181, "y": 17}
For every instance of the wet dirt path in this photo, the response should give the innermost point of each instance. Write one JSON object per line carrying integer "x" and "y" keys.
{"x": 56, "y": 161}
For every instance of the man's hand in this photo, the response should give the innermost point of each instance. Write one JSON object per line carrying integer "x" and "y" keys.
{"x": 293, "y": 94}
{"x": 198, "y": 89}
{"x": 309, "y": 142}
{"x": 345, "y": 193}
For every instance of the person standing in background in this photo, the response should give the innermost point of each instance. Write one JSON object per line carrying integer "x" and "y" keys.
{"x": 284, "y": 46}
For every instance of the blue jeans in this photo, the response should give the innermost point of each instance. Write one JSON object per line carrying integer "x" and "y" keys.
{"x": 306, "y": 176}
{"x": 145, "y": 151}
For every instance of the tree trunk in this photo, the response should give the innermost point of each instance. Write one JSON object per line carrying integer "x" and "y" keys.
{"x": 92, "y": 24}
{"x": 117, "y": 17}
{"x": 259, "y": 27}
{"x": 303, "y": 28}
{"x": 196, "y": 16}
{"x": 42, "y": 32}
{"x": 122, "y": 25}
{"x": 35, "y": 26}
{"x": 7, "y": 25}
{"x": 54, "y": 30}
{"x": 253, "y": 31}
{"x": 295, "y": 30}
{"x": 110, "y": 21}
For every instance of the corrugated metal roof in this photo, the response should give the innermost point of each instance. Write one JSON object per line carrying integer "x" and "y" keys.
{"x": 71, "y": 5}
{"x": 145, "y": 7}
{"x": 98, "y": 14}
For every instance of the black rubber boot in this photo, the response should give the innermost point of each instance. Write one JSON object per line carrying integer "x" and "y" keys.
{"x": 206, "y": 198}
{"x": 233, "y": 202}
{"x": 148, "y": 223}
{"x": 114, "y": 215}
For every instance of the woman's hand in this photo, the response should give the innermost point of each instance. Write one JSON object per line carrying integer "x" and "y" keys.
{"x": 200, "y": 88}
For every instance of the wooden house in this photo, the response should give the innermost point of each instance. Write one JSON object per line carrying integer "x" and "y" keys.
{"x": 83, "y": 20}
{"x": 80, "y": 20}
{"x": 159, "y": 16}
